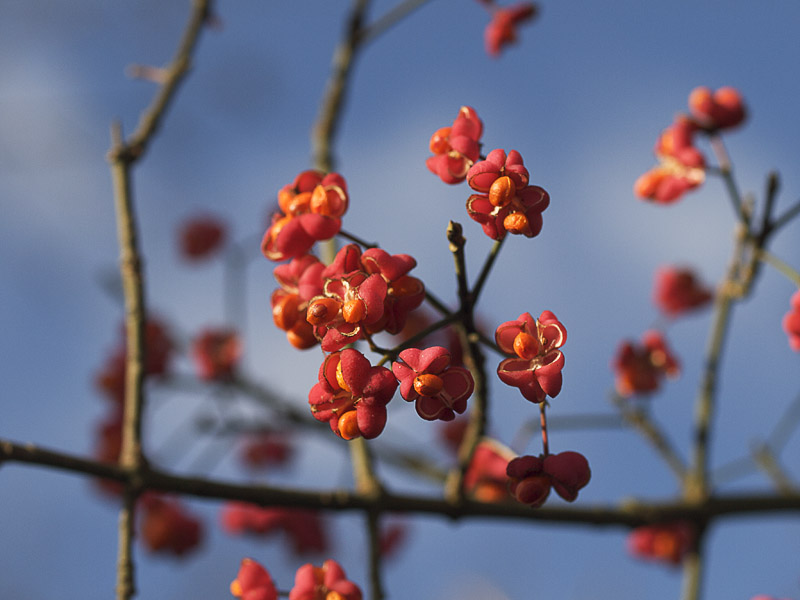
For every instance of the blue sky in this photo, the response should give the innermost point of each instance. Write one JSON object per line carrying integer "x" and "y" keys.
{"x": 583, "y": 97}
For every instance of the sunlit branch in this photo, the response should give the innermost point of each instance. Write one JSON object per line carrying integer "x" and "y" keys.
{"x": 122, "y": 156}
{"x": 782, "y": 267}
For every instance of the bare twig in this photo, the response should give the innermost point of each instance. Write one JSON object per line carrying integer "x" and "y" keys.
{"x": 627, "y": 514}
{"x": 122, "y": 156}
{"x": 391, "y": 18}
{"x": 766, "y": 461}
{"x": 333, "y": 98}
{"x": 653, "y": 434}
{"x": 474, "y": 359}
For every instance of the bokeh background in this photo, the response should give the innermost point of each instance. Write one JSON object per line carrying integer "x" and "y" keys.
{"x": 583, "y": 97}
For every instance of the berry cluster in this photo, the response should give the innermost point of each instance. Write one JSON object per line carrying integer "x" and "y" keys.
{"x": 682, "y": 167}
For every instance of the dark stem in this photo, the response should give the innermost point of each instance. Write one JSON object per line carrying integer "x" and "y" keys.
{"x": 543, "y": 424}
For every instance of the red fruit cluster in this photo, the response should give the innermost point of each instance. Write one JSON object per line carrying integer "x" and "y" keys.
{"x": 201, "y": 237}
{"x": 216, "y": 354}
{"x": 678, "y": 290}
{"x": 791, "y": 322}
{"x": 363, "y": 293}
{"x": 505, "y": 202}
{"x": 537, "y": 363}
{"x": 352, "y": 395}
{"x": 166, "y": 527}
{"x": 722, "y": 109}
{"x": 502, "y": 30}
{"x": 639, "y": 368}
{"x": 456, "y": 148}
{"x": 328, "y": 582}
{"x": 667, "y": 543}
{"x": 531, "y": 477}
{"x": 427, "y": 378}
{"x": 304, "y": 529}
{"x": 681, "y": 165}
{"x": 300, "y": 280}
{"x": 311, "y": 210}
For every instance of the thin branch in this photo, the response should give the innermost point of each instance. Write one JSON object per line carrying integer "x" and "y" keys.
{"x": 130, "y": 455}
{"x": 122, "y": 156}
{"x": 766, "y": 461}
{"x": 693, "y": 567}
{"x": 697, "y": 481}
{"x": 726, "y": 171}
{"x": 628, "y": 514}
{"x": 474, "y": 360}
{"x": 174, "y": 75}
{"x": 324, "y": 130}
{"x": 782, "y": 267}
{"x": 355, "y": 239}
{"x": 786, "y": 425}
{"x": 391, "y": 18}
{"x": 35, "y": 455}
{"x": 786, "y": 217}
{"x": 487, "y": 267}
{"x": 651, "y": 432}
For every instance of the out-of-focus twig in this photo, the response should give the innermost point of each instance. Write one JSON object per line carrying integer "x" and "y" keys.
{"x": 333, "y": 98}
{"x": 766, "y": 461}
{"x": 639, "y": 420}
{"x": 391, "y": 18}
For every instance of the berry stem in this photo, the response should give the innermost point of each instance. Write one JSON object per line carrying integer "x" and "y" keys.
{"x": 543, "y": 422}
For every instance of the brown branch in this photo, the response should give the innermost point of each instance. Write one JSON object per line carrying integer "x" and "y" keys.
{"x": 173, "y": 76}
{"x": 333, "y": 98}
{"x": 474, "y": 360}
{"x": 130, "y": 456}
{"x": 628, "y": 513}
{"x": 122, "y": 156}
{"x": 697, "y": 480}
